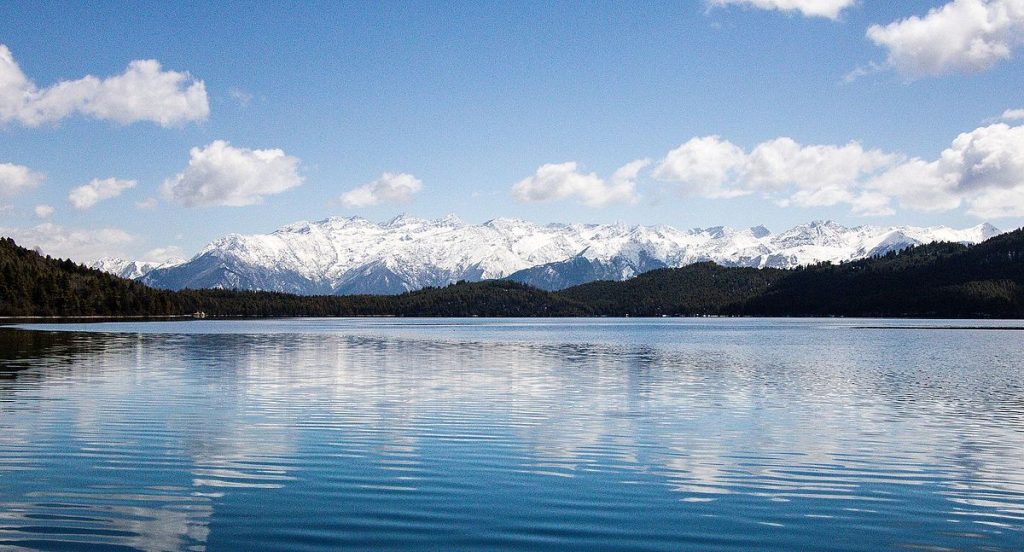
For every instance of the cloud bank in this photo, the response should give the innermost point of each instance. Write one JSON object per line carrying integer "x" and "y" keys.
{"x": 144, "y": 92}
{"x": 982, "y": 169}
{"x": 222, "y": 175}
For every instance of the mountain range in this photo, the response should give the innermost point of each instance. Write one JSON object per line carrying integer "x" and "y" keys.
{"x": 346, "y": 256}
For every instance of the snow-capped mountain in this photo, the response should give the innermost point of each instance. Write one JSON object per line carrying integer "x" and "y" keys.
{"x": 354, "y": 255}
{"x": 133, "y": 270}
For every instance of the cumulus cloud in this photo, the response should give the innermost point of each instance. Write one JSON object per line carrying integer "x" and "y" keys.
{"x": 16, "y": 178}
{"x": 793, "y": 174}
{"x": 97, "y": 190}
{"x": 564, "y": 180}
{"x": 704, "y": 166}
{"x": 43, "y": 211}
{"x": 965, "y": 36}
{"x": 808, "y": 8}
{"x": 389, "y": 188}
{"x": 982, "y": 169}
{"x": 220, "y": 174}
{"x": 80, "y": 245}
{"x": 918, "y": 185}
{"x": 144, "y": 92}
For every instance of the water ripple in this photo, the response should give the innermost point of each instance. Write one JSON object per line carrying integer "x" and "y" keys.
{"x": 476, "y": 435}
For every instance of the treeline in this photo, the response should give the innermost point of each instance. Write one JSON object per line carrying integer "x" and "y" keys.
{"x": 697, "y": 289}
{"x": 35, "y": 285}
{"x": 936, "y": 280}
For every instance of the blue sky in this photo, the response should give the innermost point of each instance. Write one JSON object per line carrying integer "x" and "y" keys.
{"x": 734, "y": 112}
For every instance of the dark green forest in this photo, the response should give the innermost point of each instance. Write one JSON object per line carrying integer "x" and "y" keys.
{"x": 935, "y": 280}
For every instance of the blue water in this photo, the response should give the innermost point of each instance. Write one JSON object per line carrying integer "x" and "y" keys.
{"x": 696, "y": 434}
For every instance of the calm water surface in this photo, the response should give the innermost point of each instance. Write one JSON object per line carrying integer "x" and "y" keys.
{"x": 524, "y": 434}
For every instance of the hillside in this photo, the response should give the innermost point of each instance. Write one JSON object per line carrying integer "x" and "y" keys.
{"x": 702, "y": 288}
{"x": 936, "y": 280}
{"x": 34, "y": 285}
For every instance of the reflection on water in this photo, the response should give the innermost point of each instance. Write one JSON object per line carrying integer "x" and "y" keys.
{"x": 730, "y": 435}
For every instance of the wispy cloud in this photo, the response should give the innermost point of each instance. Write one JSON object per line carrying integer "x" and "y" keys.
{"x": 830, "y": 9}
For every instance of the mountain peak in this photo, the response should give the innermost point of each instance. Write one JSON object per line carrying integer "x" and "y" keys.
{"x": 451, "y": 219}
{"x": 760, "y": 231}
{"x": 986, "y": 230}
{"x": 402, "y": 220}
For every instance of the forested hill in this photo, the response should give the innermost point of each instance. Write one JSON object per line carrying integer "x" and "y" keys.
{"x": 937, "y": 280}
{"x": 36, "y": 285}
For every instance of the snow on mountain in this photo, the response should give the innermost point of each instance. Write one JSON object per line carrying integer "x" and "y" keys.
{"x": 132, "y": 270}
{"x": 354, "y": 255}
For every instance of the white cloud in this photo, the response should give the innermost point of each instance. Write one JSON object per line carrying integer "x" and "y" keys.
{"x": 778, "y": 163}
{"x": 77, "y": 244}
{"x": 918, "y": 185}
{"x": 965, "y": 36}
{"x": 43, "y": 211}
{"x": 160, "y": 255}
{"x": 563, "y": 180}
{"x": 872, "y": 204}
{"x": 808, "y": 8}
{"x": 220, "y": 174}
{"x": 1013, "y": 115}
{"x": 705, "y": 166}
{"x": 16, "y": 178}
{"x": 983, "y": 168}
{"x": 998, "y": 204}
{"x": 389, "y": 188}
{"x": 97, "y": 190}
{"x": 790, "y": 173}
{"x": 144, "y": 92}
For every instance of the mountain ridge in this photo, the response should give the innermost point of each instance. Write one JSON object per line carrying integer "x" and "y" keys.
{"x": 356, "y": 256}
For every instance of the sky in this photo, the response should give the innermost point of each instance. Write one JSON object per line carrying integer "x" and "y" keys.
{"x": 148, "y": 129}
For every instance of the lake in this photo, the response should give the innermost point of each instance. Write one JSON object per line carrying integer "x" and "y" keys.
{"x": 479, "y": 434}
